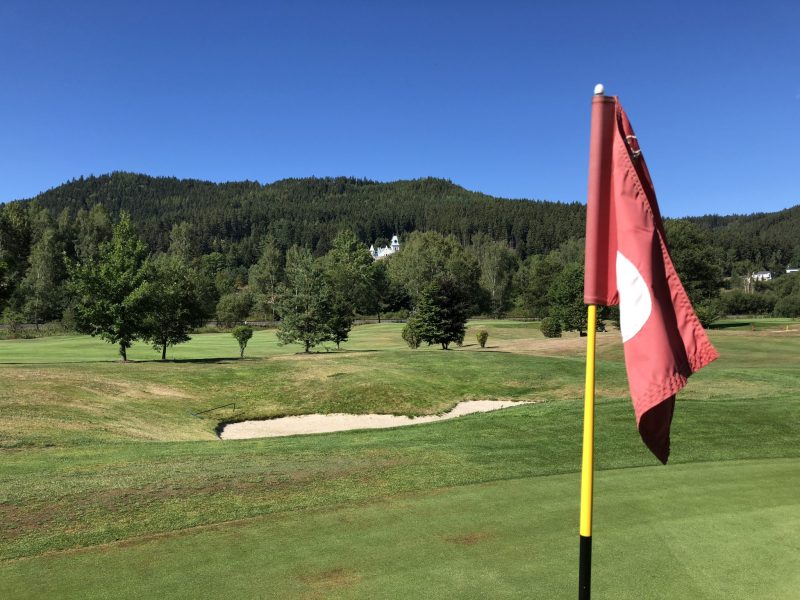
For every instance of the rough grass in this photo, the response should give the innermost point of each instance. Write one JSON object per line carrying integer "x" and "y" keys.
{"x": 98, "y": 452}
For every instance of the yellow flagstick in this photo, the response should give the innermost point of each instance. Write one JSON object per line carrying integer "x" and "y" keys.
{"x": 587, "y": 463}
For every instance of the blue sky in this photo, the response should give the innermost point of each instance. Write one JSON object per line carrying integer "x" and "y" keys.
{"x": 493, "y": 95}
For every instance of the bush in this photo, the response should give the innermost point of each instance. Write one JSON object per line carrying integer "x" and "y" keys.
{"x": 737, "y": 302}
{"x": 788, "y": 306}
{"x": 708, "y": 311}
{"x": 551, "y": 327}
{"x": 411, "y": 337}
{"x": 13, "y": 321}
{"x": 234, "y": 308}
{"x": 242, "y": 333}
{"x": 482, "y": 336}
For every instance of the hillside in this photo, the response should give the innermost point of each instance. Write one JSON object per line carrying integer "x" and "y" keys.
{"x": 768, "y": 240}
{"x": 310, "y": 211}
{"x": 234, "y": 217}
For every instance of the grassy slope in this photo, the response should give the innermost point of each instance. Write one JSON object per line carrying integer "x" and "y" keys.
{"x": 64, "y": 484}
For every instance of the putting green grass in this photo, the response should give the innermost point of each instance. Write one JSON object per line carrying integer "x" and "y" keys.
{"x": 691, "y": 531}
{"x": 109, "y": 487}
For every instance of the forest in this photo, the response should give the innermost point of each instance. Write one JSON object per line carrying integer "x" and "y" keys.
{"x": 235, "y": 239}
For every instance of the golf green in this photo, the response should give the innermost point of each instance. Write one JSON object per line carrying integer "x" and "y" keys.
{"x": 706, "y": 530}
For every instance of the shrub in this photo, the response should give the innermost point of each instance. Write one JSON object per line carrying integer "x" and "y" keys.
{"x": 737, "y": 302}
{"x": 234, "y": 308}
{"x": 551, "y": 327}
{"x": 242, "y": 333}
{"x": 788, "y": 306}
{"x": 483, "y": 335}
{"x": 708, "y": 311}
{"x": 13, "y": 321}
{"x": 411, "y": 337}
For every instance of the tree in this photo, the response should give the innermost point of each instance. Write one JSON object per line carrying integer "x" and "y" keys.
{"x": 340, "y": 320}
{"x": 439, "y": 315}
{"x": 534, "y": 280}
{"x": 173, "y": 303}
{"x": 566, "y": 299}
{"x": 698, "y": 263}
{"x": 42, "y": 286}
{"x": 497, "y": 265}
{"x": 305, "y": 303}
{"x": 348, "y": 267}
{"x": 386, "y": 294}
{"x": 788, "y": 291}
{"x": 242, "y": 333}
{"x": 107, "y": 290}
{"x": 265, "y": 277}
{"x": 15, "y": 241}
{"x": 234, "y": 308}
{"x": 182, "y": 242}
{"x": 431, "y": 257}
{"x": 92, "y": 229}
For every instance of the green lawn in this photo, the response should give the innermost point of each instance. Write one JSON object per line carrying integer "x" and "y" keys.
{"x": 107, "y": 477}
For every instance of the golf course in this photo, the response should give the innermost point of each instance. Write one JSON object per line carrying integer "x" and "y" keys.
{"x": 114, "y": 482}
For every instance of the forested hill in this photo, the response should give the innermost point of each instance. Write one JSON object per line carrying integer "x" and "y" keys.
{"x": 310, "y": 211}
{"x": 767, "y": 239}
{"x": 234, "y": 218}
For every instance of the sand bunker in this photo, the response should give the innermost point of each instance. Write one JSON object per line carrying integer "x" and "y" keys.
{"x": 316, "y": 423}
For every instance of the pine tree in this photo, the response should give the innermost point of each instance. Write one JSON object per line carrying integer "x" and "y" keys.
{"x": 440, "y": 315}
{"x": 42, "y": 285}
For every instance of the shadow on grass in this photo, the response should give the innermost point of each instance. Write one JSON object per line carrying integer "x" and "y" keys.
{"x": 744, "y": 325}
{"x": 199, "y": 361}
{"x": 333, "y": 351}
{"x": 136, "y": 362}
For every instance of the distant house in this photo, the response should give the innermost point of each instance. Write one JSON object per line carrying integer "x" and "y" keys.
{"x": 761, "y": 276}
{"x": 385, "y": 251}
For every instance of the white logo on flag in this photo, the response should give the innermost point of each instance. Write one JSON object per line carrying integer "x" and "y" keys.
{"x": 635, "y": 303}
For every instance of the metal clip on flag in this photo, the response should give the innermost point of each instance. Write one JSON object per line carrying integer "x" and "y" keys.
{"x": 627, "y": 263}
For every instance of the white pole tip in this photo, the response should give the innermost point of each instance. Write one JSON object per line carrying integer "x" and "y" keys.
{"x": 599, "y": 90}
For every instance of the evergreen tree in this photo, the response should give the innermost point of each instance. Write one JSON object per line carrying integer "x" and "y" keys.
{"x": 534, "y": 279}
{"x": 42, "y": 286}
{"x": 565, "y": 297}
{"x": 698, "y": 262}
{"x": 108, "y": 290}
{"x": 439, "y": 315}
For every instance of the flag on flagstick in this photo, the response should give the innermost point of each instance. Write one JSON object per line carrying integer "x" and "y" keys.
{"x": 627, "y": 263}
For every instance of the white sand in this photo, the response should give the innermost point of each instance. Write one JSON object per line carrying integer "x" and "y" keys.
{"x": 317, "y": 423}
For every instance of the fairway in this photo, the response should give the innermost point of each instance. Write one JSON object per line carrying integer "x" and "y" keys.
{"x": 111, "y": 488}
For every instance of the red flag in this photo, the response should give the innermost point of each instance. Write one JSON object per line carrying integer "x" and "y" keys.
{"x": 627, "y": 263}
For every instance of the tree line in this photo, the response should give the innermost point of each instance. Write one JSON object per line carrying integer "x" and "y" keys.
{"x": 233, "y": 276}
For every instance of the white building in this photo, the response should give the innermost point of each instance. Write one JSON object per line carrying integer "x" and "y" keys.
{"x": 761, "y": 276}
{"x": 385, "y": 251}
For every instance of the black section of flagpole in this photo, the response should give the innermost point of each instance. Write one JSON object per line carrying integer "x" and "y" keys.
{"x": 585, "y": 569}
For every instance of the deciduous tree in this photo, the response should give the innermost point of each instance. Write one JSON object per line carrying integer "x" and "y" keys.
{"x": 172, "y": 303}
{"x": 305, "y": 303}
{"x": 108, "y": 298}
